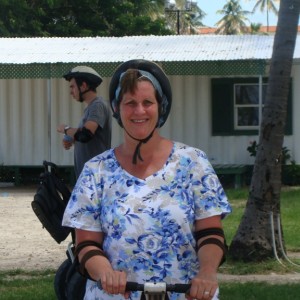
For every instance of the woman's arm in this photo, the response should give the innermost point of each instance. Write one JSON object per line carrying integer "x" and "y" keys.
{"x": 98, "y": 266}
{"x": 210, "y": 254}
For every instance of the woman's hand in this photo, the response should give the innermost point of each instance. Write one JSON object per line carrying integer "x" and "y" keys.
{"x": 99, "y": 268}
{"x": 204, "y": 285}
{"x": 114, "y": 282}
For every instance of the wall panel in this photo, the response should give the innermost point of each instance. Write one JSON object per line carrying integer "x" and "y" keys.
{"x": 28, "y": 135}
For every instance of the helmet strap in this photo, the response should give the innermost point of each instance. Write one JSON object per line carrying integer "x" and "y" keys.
{"x": 137, "y": 152}
{"x": 81, "y": 94}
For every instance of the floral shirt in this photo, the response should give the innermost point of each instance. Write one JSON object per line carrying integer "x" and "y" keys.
{"x": 148, "y": 224}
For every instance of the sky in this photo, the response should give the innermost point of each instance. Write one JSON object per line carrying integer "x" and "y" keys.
{"x": 211, "y": 6}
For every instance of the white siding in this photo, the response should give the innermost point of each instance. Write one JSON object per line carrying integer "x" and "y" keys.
{"x": 25, "y": 138}
{"x": 293, "y": 142}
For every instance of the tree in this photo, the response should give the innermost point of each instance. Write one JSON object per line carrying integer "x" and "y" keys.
{"x": 234, "y": 19}
{"x": 42, "y": 18}
{"x": 195, "y": 19}
{"x": 253, "y": 240}
{"x": 182, "y": 19}
{"x": 267, "y": 5}
{"x": 255, "y": 28}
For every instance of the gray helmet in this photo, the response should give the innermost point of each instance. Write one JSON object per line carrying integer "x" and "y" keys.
{"x": 153, "y": 69}
{"x": 85, "y": 73}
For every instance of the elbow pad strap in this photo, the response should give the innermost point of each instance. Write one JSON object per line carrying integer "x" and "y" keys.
{"x": 217, "y": 242}
{"x": 81, "y": 245}
{"x": 83, "y": 135}
{"x": 209, "y": 231}
{"x": 93, "y": 252}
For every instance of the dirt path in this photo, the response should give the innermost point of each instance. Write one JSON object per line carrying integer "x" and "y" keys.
{"x": 26, "y": 245}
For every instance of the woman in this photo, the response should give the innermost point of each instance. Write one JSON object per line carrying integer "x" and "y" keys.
{"x": 149, "y": 209}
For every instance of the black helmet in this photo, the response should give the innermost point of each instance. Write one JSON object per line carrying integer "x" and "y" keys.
{"x": 88, "y": 74}
{"x": 147, "y": 66}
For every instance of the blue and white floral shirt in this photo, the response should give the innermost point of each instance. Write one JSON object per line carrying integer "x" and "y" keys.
{"x": 148, "y": 224}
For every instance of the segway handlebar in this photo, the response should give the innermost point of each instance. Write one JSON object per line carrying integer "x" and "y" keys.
{"x": 151, "y": 287}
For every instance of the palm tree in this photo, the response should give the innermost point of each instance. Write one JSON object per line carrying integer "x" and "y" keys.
{"x": 254, "y": 238}
{"x": 183, "y": 19}
{"x": 255, "y": 28}
{"x": 267, "y": 5}
{"x": 152, "y": 8}
{"x": 194, "y": 19}
{"x": 234, "y": 19}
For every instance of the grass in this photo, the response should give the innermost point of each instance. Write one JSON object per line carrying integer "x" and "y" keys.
{"x": 290, "y": 209}
{"x": 18, "y": 284}
{"x": 36, "y": 285}
{"x": 23, "y": 285}
{"x": 259, "y": 291}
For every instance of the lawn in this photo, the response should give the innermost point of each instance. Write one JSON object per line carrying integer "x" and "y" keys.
{"x": 290, "y": 210}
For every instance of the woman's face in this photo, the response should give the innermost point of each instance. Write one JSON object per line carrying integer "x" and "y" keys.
{"x": 139, "y": 110}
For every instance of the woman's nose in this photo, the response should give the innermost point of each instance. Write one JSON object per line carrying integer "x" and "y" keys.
{"x": 139, "y": 108}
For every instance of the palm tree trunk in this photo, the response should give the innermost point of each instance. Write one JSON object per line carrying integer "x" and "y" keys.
{"x": 253, "y": 240}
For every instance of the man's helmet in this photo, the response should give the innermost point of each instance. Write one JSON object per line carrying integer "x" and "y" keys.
{"x": 84, "y": 73}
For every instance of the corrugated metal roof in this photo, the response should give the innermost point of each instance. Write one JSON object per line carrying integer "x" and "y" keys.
{"x": 119, "y": 49}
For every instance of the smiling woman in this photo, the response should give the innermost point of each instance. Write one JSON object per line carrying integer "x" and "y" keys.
{"x": 149, "y": 210}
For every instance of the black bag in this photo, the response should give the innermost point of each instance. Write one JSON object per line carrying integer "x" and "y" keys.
{"x": 50, "y": 201}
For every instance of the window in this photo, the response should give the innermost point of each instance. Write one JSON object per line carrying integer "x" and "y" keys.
{"x": 248, "y": 105}
{"x": 237, "y": 107}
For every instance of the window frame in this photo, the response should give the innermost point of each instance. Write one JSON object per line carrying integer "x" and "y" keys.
{"x": 257, "y": 104}
{"x": 223, "y": 109}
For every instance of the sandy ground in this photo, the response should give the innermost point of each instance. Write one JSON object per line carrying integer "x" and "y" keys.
{"x": 26, "y": 245}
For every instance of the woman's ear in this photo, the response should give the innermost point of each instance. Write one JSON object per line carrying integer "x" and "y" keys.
{"x": 117, "y": 116}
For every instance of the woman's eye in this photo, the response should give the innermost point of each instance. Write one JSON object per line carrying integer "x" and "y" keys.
{"x": 130, "y": 104}
{"x": 148, "y": 103}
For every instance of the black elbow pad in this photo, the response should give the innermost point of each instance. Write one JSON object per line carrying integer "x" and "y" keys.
{"x": 83, "y": 135}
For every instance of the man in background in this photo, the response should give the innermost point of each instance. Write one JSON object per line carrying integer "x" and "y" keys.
{"x": 93, "y": 134}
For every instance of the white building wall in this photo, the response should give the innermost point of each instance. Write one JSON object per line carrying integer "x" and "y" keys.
{"x": 28, "y": 135}
{"x": 293, "y": 142}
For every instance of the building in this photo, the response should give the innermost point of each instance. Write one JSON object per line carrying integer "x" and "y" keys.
{"x": 262, "y": 30}
{"x": 208, "y": 74}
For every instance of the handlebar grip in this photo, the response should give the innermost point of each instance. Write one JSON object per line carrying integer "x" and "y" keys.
{"x": 178, "y": 287}
{"x": 130, "y": 286}
{"x": 134, "y": 286}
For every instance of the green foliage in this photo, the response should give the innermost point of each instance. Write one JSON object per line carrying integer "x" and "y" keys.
{"x": 252, "y": 149}
{"x": 45, "y": 18}
{"x": 6, "y": 174}
{"x": 285, "y": 154}
{"x": 234, "y": 19}
{"x": 290, "y": 173}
